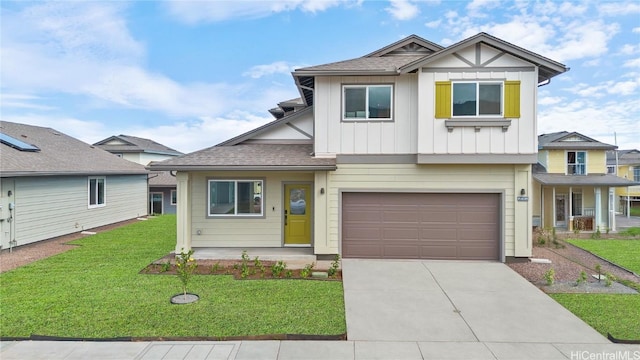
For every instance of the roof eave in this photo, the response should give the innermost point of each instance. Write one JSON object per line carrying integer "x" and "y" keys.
{"x": 243, "y": 167}
{"x": 10, "y": 174}
{"x": 366, "y": 72}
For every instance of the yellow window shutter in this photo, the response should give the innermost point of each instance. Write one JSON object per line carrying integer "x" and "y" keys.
{"x": 512, "y": 99}
{"x": 443, "y": 99}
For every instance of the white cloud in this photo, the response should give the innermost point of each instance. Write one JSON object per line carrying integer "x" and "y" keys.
{"x": 616, "y": 8}
{"x": 433, "y": 24}
{"x": 630, "y": 49}
{"x": 549, "y": 100}
{"x": 193, "y": 12}
{"x": 632, "y": 63}
{"x": 403, "y": 9}
{"x": 636, "y": 30}
{"x": 21, "y": 101}
{"x": 278, "y": 67}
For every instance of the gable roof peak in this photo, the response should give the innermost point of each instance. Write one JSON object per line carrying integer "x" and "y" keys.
{"x": 410, "y": 45}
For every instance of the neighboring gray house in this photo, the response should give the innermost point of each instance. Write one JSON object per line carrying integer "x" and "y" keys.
{"x": 52, "y": 184}
{"x": 162, "y": 186}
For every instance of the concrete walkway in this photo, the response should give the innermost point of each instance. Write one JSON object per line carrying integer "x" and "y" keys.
{"x": 397, "y": 310}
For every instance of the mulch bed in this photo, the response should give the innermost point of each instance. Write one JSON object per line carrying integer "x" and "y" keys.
{"x": 166, "y": 266}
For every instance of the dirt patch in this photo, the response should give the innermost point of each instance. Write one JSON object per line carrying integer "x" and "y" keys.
{"x": 264, "y": 270}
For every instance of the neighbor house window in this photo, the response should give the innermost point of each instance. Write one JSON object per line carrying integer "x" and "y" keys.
{"x": 367, "y": 102}
{"x": 576, "y": 204}
{"x": 477, "y": 99}
{"x": 636, "y": 173}
{"x": 174, "y": 197}
{"x": 576, "y": 163}
{"x": 97, "y": 191}
{"x": 235, "y": 198}
{"x": 611, "y": 169}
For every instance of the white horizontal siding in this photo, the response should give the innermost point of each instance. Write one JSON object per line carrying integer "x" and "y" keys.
{"x": 47, "y": 207}
{"x": 425, "y": 178}
{"x": 234, "y": 232}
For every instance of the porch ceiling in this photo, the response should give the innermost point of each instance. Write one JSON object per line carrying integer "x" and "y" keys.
{"x": 583, "y": 180}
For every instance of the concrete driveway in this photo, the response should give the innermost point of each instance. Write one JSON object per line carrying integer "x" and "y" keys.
{"x": 453, "y": 301}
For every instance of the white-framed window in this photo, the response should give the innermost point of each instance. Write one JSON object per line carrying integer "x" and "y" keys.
{"x": 611, "y": 169}
{"x": 231, "y": 197}
{"x": 367, "y": 102}
{"x": 174, "y": 197}
{"x": 636, "y": 173}
{"x": 475, "y": 98}
{"x": 576, "y": 203}
{"x": 97, "y": 191}
{"x": 576, "y": 163}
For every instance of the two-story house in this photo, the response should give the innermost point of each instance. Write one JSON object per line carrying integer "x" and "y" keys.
{"x": 626, "y": 164}
{"x": 412, "y": 151}
{"x": 162, "y": 185}
{"x": 572, "y": 189}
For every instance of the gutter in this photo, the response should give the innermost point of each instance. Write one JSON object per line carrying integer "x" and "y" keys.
{"x": 244, "y": 168}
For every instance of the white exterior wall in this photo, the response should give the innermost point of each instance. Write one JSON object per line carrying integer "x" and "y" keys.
{"x": 334, "y": 136}
{"x": 520, "y": 137}
{"x": 46, "y": 207}
{"x": 286, "y": 132}
{"x": 240, "y": 231}
{"x": 504, "y": 179}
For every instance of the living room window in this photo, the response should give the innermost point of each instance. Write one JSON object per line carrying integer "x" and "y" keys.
{"x": 367, "y": 102}
{"x": 235, "y": 198}
{"x": 97, "y": 191}
{"x": 576, "y": 163}
{"x": 576, "y": 203}
{"x": 174, "y": 197}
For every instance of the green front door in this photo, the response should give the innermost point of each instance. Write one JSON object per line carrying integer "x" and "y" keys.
{"x": 297, "y": 214}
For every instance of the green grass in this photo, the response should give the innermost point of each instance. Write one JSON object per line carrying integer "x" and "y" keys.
{"x": 96, "y": 291}
{"x": 635, "y": 211}
{"x": 625, "y": 253}
{"x": 632, "y": 231}
{"x": 617, "y": 314}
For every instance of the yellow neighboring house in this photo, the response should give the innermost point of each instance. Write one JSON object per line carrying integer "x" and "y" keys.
{"x": 571, "y": 185}
{"x": 627, "y": 166}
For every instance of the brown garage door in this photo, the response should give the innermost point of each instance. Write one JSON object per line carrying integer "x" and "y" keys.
{"x": 420, "y": 226}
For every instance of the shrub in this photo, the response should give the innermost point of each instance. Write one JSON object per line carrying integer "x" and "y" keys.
{"x": 550, "y": 276}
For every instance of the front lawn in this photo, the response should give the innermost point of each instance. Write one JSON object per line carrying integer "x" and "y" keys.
{"x": 625, "y": 253}
{"x": 96, "y": 291}
{"x": 617, "y": 314}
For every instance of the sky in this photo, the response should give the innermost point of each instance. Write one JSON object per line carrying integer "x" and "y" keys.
{"x": 191, "y": 74}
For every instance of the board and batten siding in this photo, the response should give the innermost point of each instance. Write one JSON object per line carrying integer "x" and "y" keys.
{"x": 46, "y": 207}
{"x": 334, "y": 136}
{"x": 239, "y": 231}
{"x": 502, "y": 179}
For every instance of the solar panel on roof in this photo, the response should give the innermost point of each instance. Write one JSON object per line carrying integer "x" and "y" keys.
{"x": 17, "y": 144}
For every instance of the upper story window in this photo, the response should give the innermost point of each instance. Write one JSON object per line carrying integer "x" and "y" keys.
{"x": 367, "y": 102}
{"x": 489, "y": 99}
{"x": 611, "y": 169}
{"x": 576, "y": 163}
{"x": 97, "y": 191}
{"x": 477, "y": 99}
{"x": 636, "y": 173}
{"x": 235, "y": 198}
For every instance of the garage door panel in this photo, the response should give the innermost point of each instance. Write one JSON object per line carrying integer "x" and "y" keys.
{"x": 409, "y": 225}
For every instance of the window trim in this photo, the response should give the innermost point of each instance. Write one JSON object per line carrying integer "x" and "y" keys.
{"x": 367, "y": 118}
{"x": 173, "y": 197}
{"x": 636, "y": 173}
{"x": 566, "y": 160}
{"x": 97, "y": 195}
{"x": 501, "y": 115}
{"x": 235, "y": 180}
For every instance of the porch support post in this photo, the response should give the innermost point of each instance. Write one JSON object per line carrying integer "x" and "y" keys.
{"x": 612, "y": 214}
{"x": 183, "y": 213}
{"x": 553, "y": 207}
{"x": 598, "y": 208}
{"x": 570, "y": 225}
{"x": 542, "y": 217}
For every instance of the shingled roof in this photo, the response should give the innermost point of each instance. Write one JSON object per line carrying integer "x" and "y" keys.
{"x": 58, "y": 154}
{"x": 249, "y": 157}
{"x": 570, "y": 141}
{"x": 133, "y": 144}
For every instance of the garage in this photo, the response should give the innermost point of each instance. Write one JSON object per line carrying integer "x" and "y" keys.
{"x": 421, "y": 225}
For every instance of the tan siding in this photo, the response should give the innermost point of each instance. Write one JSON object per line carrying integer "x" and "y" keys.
{"x": 234, "y": 232}
{"x": 47, "y": 207}
{"x": 557, "y": 162}
{"x": 596, "y": 162}
{"x": 424, "y": 179}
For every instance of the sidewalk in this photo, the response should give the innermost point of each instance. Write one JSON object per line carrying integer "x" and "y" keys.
{"x": 317, "y": 350}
